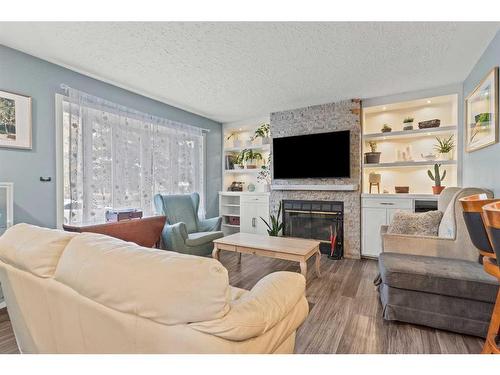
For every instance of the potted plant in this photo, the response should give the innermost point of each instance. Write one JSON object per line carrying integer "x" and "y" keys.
{"x": 445, "y": 147}
{"x": 408, "y": 123}
{"x": 437, "y": 178}
{"x": 372, "y": 157}
{"x": 236, "y": 141}
{"x": 263, "y": 132}
{"x": 386, "y": 128}
{"x": 275, "y": 225}
{"x": 264, "y": 175}
{"x": 252, "y": 157}
{"x": 239, "y": 160}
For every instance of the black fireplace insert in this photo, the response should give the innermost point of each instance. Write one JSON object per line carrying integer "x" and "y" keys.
{"x": 318, "y": 220}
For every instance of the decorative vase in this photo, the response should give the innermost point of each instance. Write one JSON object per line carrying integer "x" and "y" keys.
{"x": 446, "y": 156}
{"x": 408, "y": 126}
{"x": 372, "y": 157}
{"x": 436, "y": 190}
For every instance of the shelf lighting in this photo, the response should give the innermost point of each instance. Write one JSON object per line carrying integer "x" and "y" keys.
{"x": 384, "y": 108}
{"x": 429, "y": 102}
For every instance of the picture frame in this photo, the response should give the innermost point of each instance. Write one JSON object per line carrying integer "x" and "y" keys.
{"x": 15, "y": 121}
{"x": 481, "y": 113}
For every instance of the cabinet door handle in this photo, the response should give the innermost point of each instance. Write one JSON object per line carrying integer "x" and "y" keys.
{"x": 387, "y": 204}
{"x": 254, "y": 223}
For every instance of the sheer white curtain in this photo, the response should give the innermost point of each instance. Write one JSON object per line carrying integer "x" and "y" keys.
{"x": 116, "y": 157}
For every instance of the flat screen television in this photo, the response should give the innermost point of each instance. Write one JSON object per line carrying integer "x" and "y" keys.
{"x": 323, "y": 155}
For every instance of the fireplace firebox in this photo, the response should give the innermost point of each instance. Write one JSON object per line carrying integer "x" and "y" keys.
{"x": 318, "y": 220}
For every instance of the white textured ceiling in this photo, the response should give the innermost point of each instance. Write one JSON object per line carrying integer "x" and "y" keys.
{"x": 232, "y": 71}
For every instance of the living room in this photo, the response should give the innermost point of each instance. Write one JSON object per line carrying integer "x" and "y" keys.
{"x": 249, "y": 187}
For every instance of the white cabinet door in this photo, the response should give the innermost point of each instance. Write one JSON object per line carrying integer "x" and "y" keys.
{"x": 250, "y": 219}
{"x": 247, "y": 215}
{"x": 261, "y": 210}
{"x": 373, "y": 219}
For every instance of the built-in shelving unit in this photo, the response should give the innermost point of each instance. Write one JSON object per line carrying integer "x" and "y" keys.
{"x": 406, "y": 154}
{"x": 236, "y": 138}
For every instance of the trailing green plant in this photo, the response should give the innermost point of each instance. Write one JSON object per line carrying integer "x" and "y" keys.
{"x": 262, "y": 131}
{"x": 373, "y": 145}
{"x": 240, "y": 158}
{"x": 264, "y": 174}
{"x": 407, "y": 120}
{"x": 275, "y": 225}
{"x": 444, "y": 145}
{"x": 437, "y": 178}
{"x": 252, "y": 155}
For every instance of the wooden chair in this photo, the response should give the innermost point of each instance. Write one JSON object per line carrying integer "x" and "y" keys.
{"x": 472, "y": 206}
{"x": 491, "y": 217}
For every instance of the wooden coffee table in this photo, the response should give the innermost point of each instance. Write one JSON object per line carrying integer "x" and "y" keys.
{"x": 295, "y": 249}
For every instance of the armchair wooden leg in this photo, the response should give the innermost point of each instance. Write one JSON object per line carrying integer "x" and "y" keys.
{"x": 490, "y": 346}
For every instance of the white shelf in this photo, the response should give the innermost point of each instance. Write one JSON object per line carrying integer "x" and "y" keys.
{"x": 430, "y": 132}
{"x": 398, "y": 164}
{"x": 242, "y": 171}
{"x": 230, "y": 205}
{"x": 230, "y": 225}
{"x": 253, "y": 147}
{"x": 235, "y": 215}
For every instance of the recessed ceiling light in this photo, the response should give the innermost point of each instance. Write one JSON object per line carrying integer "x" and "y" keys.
{"x": 384, "y": 108}
{"x": 428, "y": 102}
{"x": 241, "y": 129}
{"x": 428, "y": 133}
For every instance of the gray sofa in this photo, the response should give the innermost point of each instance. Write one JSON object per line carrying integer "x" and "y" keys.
{"x": 440, "y": 287}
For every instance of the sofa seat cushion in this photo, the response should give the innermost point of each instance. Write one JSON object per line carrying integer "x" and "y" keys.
{"x": 201, "y": 238}
{"x": 450, "y": 277}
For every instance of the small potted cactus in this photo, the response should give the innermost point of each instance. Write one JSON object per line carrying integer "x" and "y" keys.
{"x": 372, "y": 157}
{"x": 386, "y": 129}
{"x": 437, "y": 178}
{"x": 408, "y": 123}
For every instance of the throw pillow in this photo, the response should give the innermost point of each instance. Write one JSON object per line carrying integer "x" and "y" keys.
{"x": 418, "y": 224}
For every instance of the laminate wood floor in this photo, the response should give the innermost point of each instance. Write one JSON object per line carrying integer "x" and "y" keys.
{"x": 345, "y": 314}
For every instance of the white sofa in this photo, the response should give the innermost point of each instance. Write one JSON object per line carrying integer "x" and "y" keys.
{"x": 90, "y": 293}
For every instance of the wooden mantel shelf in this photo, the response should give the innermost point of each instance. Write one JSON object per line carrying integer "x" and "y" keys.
{"x": 340, "y": 187}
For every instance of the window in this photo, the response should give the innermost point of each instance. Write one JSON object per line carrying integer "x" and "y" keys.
{"x": 115, "y": 157}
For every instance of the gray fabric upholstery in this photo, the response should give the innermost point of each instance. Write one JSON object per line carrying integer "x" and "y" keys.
{"x": 450, "y": 277}
{"x": 450, "y": 294}
{"x": 459, "y": 315}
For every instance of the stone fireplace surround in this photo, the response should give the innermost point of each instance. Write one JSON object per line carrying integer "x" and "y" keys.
{"x": 342, "y": 115}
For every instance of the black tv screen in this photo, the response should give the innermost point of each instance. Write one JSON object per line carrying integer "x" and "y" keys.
{"x": 312, "y": 156}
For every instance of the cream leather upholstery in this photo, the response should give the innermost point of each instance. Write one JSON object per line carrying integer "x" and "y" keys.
{"x": 89, "y": 293}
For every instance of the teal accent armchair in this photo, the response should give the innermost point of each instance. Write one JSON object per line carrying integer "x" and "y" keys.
{"x": 183, "y": 231}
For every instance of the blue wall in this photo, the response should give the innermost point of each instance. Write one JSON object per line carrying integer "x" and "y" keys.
{"x": 35, "y": 201}
{"x": 481, "y": 167}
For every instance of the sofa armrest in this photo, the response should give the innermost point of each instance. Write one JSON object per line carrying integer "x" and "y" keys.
{"x": 423, "y": 245}
{"x": 210, "y": 225}
{"x": 259, "y": 310}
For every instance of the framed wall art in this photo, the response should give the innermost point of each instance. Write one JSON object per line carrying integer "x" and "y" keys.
{"x": 15, "y": 120}
{"x": 481, "y": 114}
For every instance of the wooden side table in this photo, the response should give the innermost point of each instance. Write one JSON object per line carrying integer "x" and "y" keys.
{"x": 144, "y": 232}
